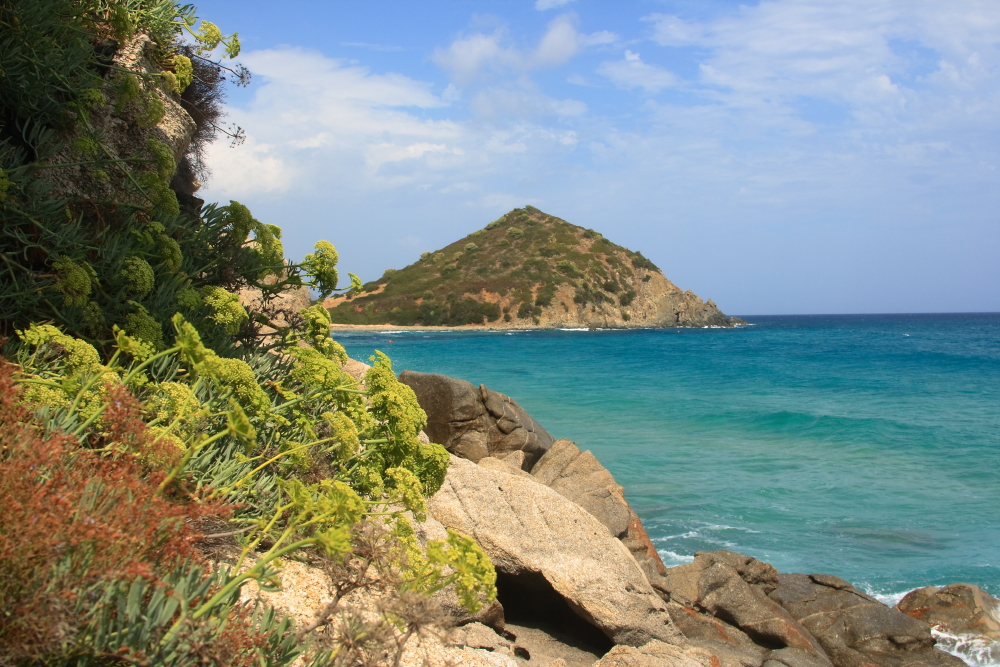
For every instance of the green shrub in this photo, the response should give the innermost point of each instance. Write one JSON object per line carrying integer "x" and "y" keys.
{"x": 226, "y": 436}
{"x": 515, "y": 232}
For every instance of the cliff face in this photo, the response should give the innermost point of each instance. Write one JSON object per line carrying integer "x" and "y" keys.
{"x": 658, "y": 303}
{"x": 529, "y": 269}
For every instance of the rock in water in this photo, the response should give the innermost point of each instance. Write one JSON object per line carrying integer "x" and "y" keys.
{"x": 734, "y": 588}
{"x": 855, "y": 629}
{"x": 530, "y": 532}
{"x": 961, "y": 609}
{"x": 475, "y": 423}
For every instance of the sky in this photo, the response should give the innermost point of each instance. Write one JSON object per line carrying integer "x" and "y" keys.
{"x": 778, "y": 157}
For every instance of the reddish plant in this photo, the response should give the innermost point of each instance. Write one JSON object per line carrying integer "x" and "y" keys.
{"x": 72, "y": 519}
{"x": 123, "y": 425}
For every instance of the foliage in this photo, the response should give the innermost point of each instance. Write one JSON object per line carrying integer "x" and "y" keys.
{"x": 92, "y": 231}
{"x": 293, "y": 450}
{"x": 143, "y": 402}
{"x": 518, "y": 263}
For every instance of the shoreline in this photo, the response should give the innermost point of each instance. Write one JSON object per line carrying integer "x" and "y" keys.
{"x": 495, "y": 329}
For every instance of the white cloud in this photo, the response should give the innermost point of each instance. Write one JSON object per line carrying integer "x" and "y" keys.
{"x": 631, "y": 72}
{"x": 480, "y": 55}
{"x": 500, "y": 102}
{"x": 250, "y": 168}
{"x": 847, "y": 53}
{"x": 542, "y": 5}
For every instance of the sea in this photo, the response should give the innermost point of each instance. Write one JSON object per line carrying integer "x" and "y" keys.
{"x": 864, "y": 446}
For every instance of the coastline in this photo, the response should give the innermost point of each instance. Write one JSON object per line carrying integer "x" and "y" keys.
{"x": 499, "y": 328}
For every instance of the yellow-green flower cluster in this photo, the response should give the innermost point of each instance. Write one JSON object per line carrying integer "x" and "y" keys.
{"x": 145, "y": 328}
{"x": 267, "y": 238}
{"x": 226, "y": 309}
{"x": 75, "y": 281}
{"x": 234, "y": 375}
{"x": 183, "y": 73}
{"x": 173, "y": 405}
{"x": 322, "y": 266}
{"x": 138, "y": 275}
{"x": 80, "y": 366}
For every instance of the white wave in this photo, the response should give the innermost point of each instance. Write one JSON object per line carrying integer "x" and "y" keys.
{"x": 670, "y": 558}
{"x": 974, "y": 650}
{"x": 888, "y": 598}
{"x": 692, "y": 534}
{"x": 577, "y": 329}
{"x": 721, "y": 527}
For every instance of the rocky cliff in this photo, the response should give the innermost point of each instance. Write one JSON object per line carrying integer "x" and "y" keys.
{"x": 529, "y": 269}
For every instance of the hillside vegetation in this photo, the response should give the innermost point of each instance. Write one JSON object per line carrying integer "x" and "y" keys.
{"x": 164, "y": 441}
{"x": 527, "y": 268}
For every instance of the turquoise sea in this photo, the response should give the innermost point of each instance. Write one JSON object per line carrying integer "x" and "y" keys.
{"x": 865, "y": 446}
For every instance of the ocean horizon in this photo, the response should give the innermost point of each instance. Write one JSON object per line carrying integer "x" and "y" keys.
{"x": 863, "y": 445}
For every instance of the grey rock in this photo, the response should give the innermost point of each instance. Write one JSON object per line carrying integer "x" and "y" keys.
{"x": 580, "y": 477}
{"x": 477, "y": 635}
{"x": 700, "y": 626}
{"x": 474, "y": 423}
{"x": 793, "y": 657}
{"x": 528, "y": 530}
{"x": 685, "y": 654}
{"x": 733, "y": 588}
{"x": 961, "y": 609}
{"x": 856, "y": 630}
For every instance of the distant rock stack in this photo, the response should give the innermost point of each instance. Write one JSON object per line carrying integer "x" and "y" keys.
{"x": 526, "y": 270}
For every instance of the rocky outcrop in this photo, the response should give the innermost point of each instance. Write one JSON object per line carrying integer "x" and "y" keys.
{"x": 543, "y": 543}
{"x": 281, "y": 309}
{"x": 961, "y": 609}
{"x": 566, "y": 544}
{"x": 475, "y": 423}
{"x": 733, "y": 589}
{"x": 580, "y": 477}
{"x": 655, "y": 654}
{"x": 855, "y": 629}
{"x": 122, "y": 136}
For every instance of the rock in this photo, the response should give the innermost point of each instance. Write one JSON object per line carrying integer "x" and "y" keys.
{"x": 491, "y": 614}
{"x": 502, "y": 465}
{"x": 660, "y": 654}
{"x": 793, "y": 657}
{"x": 699, "y": 626}
{"x": 475, "y": 423}
{"x": 282, "y": 309}
{"x": 961, "y": 609}
{"x": 537, "y": 538}
{"x": 733, "y": 588}
{"x": 855, "y": 629}
{"x": 580, "y": 477}
{"x": 477, "y": 635}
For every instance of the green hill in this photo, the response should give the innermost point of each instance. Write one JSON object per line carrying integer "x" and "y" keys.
{"x": 526, "y": 268}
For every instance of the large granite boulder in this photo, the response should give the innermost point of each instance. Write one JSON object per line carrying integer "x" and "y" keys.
{"x": 855, "y": 629}
{"x": 580, "y": 477}
{"x": 539, "y": 540}
{"x": 733, "y": 589}
{"x": 474, "y": 423}
{"x": 687, "y": 654}
{"x": 960, "y": 609}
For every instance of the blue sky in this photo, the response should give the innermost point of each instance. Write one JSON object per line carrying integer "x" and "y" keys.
{"x": 789, "y": 156}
